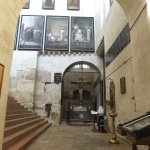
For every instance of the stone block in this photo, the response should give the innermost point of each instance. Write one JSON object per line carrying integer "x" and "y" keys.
{"x": 40, "y": 106}
{"x": 29, "y": 106}
{"x": 13, "y": 95}
{"x": 40, "y": 98}
{"x": 31, "y": 74}
{"x": 52, "y": 88}
{"x": 25, "y": 86}
{"x": 43, "y": 76}
{"x": 56, "y": 121}
{"x": 21, "y": 74}
{"x": 13, "y": 83}
{"x": 57, "y": 99}
{"x": 41, "y": 112}
{"x": 55, "y": 107}
{"x": 50, "y": 98}
{"x": 39, "y": 87}
{"x": 24, "y": 97}
{"x": 55, "y": 114}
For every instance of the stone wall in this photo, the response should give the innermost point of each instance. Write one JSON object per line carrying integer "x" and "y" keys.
{"x": 22, "y": 78}
{"x": 47, "y": 93}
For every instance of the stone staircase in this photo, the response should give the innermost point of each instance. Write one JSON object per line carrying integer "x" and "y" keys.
{"x": 22, "y": 127}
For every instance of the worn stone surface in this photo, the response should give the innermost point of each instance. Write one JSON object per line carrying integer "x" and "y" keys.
{"x": 57, "y": 98}
{"x": 40, "y": 98}
{"x": 40, "y": 106}
{"x": 39, "y": 87}
{"x": 31, "y": 74}
{"x": 25, "y": 86}
{"x": 13, "y": 84}
{"x": 64, "y": 137}
{"x": 56, "y": 107}
{"x": 52, "y": 88}
{"x": 24, "y": 97}
{"x": 55, "y": 114}
{"x": 43, "y": 76}
{"x": 28, "y": 105}
{"x": 50, "y": 98}
{"x": 13, "y": 95}
{"x": 21, "y": 74}
{"x": 40, "y": 112}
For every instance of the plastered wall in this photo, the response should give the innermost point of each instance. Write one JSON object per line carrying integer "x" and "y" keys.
{"x": 132, "y": 63}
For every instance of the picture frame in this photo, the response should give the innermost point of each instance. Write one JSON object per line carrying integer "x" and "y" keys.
{"x": 82, "y": 34}
{"x": 26, "y": 6}
{"x": 122, "y": 85}
{"x": 48, "y": 4}
{"x": 16, "y": 33}
{"x": 31, "y": 32}
{"x": 73, "y": 4}
{"x": 57, "y": 33}
{"x": 1, "y": 76}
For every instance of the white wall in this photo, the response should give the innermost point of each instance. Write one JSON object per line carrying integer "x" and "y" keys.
{"x": 88, "y": 8}
{"x": 101, "y": 11}
{"x": 56, "y": 63}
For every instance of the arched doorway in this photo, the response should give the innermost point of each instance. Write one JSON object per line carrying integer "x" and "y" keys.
{"x": 71, "y": 88}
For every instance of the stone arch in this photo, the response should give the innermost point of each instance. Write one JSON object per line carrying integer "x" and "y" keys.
{"x": 82, "y": 62}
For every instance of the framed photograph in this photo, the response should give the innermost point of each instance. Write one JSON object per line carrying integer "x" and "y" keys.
{"x": 31, "y": 33}
{"x": 57, "y": 33}
{"x": 82, "y": 34}
{"x": 73, "y": 4}
{"x": 15, "y": 41}
{"x": 26, "y": 6}
{"x": 122, "y": 85}
{"x": 1, "y": 76}
{"x": 48, "y": 4}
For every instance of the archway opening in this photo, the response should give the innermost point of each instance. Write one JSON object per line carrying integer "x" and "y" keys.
{"x": 71, "y": 88}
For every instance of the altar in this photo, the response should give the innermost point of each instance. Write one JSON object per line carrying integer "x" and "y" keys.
{"x": 80, "y": 113}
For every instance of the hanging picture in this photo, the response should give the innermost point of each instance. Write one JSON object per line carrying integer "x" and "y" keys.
{"x": 122, "y": 85}
{"x": 31, "y": 32}
{"x": 82, "y": 34}
{"x": 48, "y": 4}
{"x": 26, "y": 6}
{"x": 73, "y": 4}
{"x": 56, "y": 33}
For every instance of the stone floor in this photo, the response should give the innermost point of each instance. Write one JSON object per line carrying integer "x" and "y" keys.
{"x": 66, "y": 137}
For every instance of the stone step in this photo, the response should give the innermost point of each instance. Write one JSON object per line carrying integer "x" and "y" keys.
{"x": 9, "y": 112}
{"x": 20, "y": 120}
{"x": 15, "y": 116}
{"x": 16, "y": 108}
{"x": 21, "y": 126}
{"x": 15, "y": 128}
{"x": 26, "y": 141}
{"x": 15, "y": 137}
